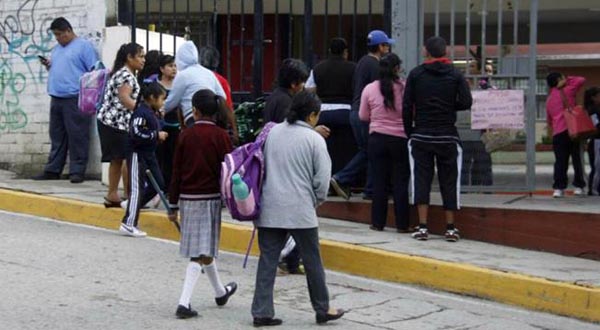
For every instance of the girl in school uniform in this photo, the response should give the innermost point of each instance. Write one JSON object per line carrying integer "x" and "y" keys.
{"x": 195, "y": 186}
{"x": 144, "y": 135}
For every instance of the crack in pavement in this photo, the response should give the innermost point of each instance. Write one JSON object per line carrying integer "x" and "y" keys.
{"x": 441, "y": 309}
{"x": 14, "y": 263}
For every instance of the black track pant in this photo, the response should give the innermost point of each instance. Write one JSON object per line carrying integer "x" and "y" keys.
{"x": 424, "y": 156}
{"x": 141, "y": 189}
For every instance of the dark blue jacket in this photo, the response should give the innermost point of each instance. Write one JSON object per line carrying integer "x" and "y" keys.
{"x": 143, "y": 129}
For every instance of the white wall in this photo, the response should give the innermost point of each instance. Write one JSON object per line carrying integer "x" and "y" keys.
{"x": 24, "y": 104}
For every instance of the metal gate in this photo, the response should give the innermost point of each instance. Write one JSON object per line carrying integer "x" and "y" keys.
{"x": 502, "y": 35}
{"x": 255, "y": 36}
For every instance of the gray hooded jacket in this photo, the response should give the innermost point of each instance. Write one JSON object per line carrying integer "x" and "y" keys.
{"x": 191, "y": 77}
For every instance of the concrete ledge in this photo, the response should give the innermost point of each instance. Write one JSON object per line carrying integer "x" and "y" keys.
{"x": 527, "y": 291}
{"x": 556, "y": 231}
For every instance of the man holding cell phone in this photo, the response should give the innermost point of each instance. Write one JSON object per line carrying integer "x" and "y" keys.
{"x": 69, "y": 127}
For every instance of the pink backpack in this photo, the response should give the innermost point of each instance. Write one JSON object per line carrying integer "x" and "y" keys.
{"x": 91, "y": 89}
{"x": 247, "y": 161}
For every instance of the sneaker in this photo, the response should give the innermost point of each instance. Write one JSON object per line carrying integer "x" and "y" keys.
{"x": 154, "y": 202}
{"x": 452, "y": 235}
{"x": 124, "y": 205}
{"x": 185, "y": 312}
{"x": 46, "y": 176}
{"x": 76, "y": 178}
{"x": 578, "y": 192}
{"x": 422, "y": 234}
{"x": 342, "y": 191}
{"x": 558, "y": 193}
{"x": 229, "y": 291}
{"x": 131, "y": 231}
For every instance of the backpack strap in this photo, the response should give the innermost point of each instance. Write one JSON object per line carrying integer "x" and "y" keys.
{"x": 98, "y": 65}
{"x": 262, "y": 137}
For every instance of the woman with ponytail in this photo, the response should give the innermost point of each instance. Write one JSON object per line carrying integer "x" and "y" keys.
{"x": 122, "y": 91}
{"x": 381, "y": 106}
{"x": 298, "y": 170}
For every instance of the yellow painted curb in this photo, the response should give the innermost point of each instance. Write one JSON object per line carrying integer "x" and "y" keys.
{"x": 527, "y": 291}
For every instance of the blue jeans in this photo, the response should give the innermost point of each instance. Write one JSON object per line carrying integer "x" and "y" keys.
{"x": 359, "y": 162}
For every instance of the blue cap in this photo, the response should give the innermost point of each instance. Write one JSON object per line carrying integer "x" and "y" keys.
{"x": 377, "y": 37}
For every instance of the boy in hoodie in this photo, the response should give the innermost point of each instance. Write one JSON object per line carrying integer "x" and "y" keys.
{"x": 191, "y": 77}
{"x": 434, "y": 92}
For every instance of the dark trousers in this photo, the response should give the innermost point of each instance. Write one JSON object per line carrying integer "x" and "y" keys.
{"x": 270, "y": 242}
{"x": 165, "y": 152}
{"x": 341, "y": 144}
{"x": 448, "y": 158}
{"x": 69, "y": 133}
{"x": 476, "y": 165}
{"x": 565, "y": 148}
{"x": 592, "y": 157}
{"x": 359, "y": 162}
{"x": 141, "y": 189}
{"x": 388, "y": 157}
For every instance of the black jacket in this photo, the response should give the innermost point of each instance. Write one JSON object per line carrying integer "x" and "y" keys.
{"x": 277, "y": 105}
{"x": 143, "y": 129}
{"x": 434, "y": 92}
{"x": 333, "y": 78}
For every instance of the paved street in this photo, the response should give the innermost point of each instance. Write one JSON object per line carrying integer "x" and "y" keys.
{"x": 62, "y": 276}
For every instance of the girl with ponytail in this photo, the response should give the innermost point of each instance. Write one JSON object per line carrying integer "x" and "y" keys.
{"x": 196, "y": 188}
{"x": 113, "y": 117}
{"x": 381, "y": 106}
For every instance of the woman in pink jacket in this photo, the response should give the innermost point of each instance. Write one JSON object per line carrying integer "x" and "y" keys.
{"x": 564, "y": 88}
{"x": 381, "y": 106}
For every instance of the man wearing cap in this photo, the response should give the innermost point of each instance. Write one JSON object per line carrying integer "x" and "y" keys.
{"x": 367, "y": 71}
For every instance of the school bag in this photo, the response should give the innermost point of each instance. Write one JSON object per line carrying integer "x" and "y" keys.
{"x": 91, "y": 89}
{"x": 247, "y": 161}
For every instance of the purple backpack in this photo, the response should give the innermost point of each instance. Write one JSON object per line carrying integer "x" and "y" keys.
{"x": 91, "y": 89}
{"x": 247, "y": 161}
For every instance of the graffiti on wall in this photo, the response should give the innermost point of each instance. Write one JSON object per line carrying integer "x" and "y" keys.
{"x": 24, "y": 35}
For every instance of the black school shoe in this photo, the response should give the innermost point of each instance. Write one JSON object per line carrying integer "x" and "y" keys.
{"x": 185, "y": 313}
{"x": 266, "y": 322}
{"x": 230, "y": 290}
{"x": 324, "y": 318}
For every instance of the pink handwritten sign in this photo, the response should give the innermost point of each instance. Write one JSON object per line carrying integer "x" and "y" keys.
{"x": 498, "y": 109}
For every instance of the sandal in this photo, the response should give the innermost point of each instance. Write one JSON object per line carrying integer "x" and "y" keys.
{"x": 108, "y": 203}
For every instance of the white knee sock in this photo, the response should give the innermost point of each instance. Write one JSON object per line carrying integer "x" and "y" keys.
{"x": 192, "y": 274}
{"x": 213, "y": 276}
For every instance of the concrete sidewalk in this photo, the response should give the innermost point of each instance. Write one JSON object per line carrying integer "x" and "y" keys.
{"x": 543, "y": 281}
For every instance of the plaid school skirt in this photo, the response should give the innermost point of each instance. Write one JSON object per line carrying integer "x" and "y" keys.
{"x": 200, "y": 228}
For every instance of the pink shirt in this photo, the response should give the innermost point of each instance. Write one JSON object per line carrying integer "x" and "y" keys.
{"x": 555, "y": 107}
{"x": 373, "y": 110}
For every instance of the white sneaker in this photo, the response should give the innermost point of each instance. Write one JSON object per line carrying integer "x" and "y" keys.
{"x": 154, "y": 202}
{"x": 558, "y": 193}
{"x": 578, "y": 192}
{"x": 124, "y": 204}
{"x": 131, "y": 231}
